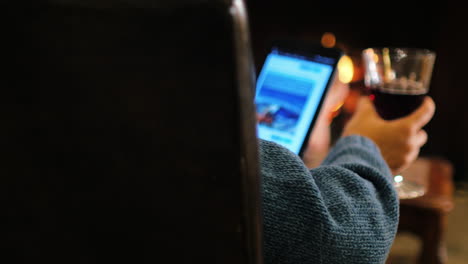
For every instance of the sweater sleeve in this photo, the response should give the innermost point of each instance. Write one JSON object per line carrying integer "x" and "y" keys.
{"x": 345, "y": 211}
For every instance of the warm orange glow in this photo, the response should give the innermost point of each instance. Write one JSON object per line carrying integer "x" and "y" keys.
{"x": 345, "y": 69}
{"x": 328, "y": 40}
{"x": 376, "y": 58}
{"x": 335, "y": 112}
{"x": 338, "y": 107}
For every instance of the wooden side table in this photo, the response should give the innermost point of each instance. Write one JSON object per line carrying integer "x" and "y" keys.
{"x": 426, "y": 216}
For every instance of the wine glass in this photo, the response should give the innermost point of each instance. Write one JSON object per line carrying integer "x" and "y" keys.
{"x": 397, "y": 80}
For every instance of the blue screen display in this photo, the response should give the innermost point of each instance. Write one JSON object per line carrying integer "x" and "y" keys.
{"x": 288, "y": 93}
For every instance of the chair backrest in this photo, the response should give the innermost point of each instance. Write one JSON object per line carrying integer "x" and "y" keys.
{"x": 128, "y": 134}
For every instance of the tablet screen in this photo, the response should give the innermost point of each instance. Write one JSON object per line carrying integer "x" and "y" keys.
{"x": 289, "y": 90}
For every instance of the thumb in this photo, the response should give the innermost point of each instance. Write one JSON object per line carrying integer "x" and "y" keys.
{"x": 423, "y": 114}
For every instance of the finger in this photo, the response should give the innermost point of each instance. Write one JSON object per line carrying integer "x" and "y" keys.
{"x": 412, "y": 156}
{"x": 423, "y": 114}
{"x": 420, "y": 139}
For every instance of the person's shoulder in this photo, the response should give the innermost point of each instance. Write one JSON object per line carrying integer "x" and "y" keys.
{"x": 273, "y": 154}
{"x": 269, "y": 147}
{"x": 265, "y": 144}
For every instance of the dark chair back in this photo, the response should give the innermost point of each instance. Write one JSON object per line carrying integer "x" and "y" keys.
{"x": 128, "y": 134}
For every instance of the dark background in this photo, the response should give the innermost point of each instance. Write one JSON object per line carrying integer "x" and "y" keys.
{"x": 439, "y": 25}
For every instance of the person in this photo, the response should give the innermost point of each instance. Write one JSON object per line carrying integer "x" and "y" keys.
{"x": 344, "y": 210}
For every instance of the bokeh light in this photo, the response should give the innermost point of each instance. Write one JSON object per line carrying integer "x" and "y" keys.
{"x": 328, "y": 40}
{"x": 345, "y": 69}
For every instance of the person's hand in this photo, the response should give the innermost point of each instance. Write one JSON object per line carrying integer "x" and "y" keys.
{"x": 320, "y": 137}
{"x": 399, "y": 140}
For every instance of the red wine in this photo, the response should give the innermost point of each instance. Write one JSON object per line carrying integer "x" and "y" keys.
{"x": 395, "y": 103}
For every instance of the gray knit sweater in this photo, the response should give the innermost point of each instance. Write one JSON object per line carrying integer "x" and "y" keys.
{"x": 345, "y": 211}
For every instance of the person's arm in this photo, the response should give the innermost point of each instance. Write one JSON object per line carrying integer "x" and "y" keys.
{"x": 344, "y": 211}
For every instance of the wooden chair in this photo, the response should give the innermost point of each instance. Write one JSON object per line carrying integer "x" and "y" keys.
{"x": 128, "y": 133}
{"x": 426, "y": 216}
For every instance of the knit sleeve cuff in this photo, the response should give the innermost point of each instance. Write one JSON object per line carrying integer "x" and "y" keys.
{"x": 357, "y": 149}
